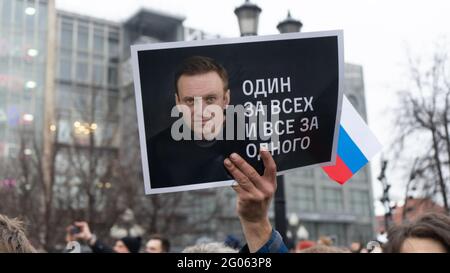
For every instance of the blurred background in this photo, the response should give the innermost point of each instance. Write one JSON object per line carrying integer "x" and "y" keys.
{"x": 69, "y": 145}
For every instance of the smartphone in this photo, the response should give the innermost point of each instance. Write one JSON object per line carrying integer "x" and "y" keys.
{"x": 75, "y": 230}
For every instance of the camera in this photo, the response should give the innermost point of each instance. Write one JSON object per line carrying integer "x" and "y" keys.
{"x": 74, "y": 230}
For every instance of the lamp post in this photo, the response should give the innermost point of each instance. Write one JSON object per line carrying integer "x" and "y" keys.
{"x": 289, "y": 25}
{"x": 248, "y": 17}
{"x": 293, "y": 225}
{"x": 296, "y": 230}
{"x": 126, "y": 226}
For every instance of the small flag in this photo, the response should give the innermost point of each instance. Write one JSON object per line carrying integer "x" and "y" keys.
{"x": 356, "y": 145}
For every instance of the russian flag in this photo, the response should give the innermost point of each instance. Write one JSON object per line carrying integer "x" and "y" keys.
{"x": 356, "y": 145}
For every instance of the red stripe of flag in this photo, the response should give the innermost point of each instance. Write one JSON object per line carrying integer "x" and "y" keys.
{"x": 339, "y": 172}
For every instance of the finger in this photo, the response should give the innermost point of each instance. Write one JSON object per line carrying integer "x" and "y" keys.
{"x": 241, "y": 193}
{"x": 245, "y": 168}
{"x": 80, "y": 224}
{"x": 270, "y": 168}
{"x": 252, "y": 174}
{"x": 238, "y": 189}
{"x": 242, "y": 179}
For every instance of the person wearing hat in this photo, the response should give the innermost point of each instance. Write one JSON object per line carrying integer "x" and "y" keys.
{"x": 127, "y": 244}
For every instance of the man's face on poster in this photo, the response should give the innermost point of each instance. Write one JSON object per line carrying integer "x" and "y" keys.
{"x": 203, "y": 100}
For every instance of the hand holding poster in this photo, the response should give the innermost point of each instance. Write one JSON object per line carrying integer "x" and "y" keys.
{"x": 200, "y": 101}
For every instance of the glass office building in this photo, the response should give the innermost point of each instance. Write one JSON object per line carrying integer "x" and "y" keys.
{"x": 23, "y": 50}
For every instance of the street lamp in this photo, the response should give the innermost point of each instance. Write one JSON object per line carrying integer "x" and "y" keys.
{"x": 296, "y": 230}
{"x": 126, "y": 226}
{"x": 248, "y": 15}
{"x": 289, "y": 25}
{"x": 85, "y": 128}
{"x": 302, "y": 233}
{"x": 293, "y": 219}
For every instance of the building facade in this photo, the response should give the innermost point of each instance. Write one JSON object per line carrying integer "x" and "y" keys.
{"x": 23, "y": 58}
{"x": 87, "y": 78}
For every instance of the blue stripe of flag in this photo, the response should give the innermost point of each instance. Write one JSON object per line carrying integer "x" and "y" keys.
{"x": 349, "y": 152}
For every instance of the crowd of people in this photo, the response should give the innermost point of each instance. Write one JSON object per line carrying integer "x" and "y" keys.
{"x": 430, "y": 233}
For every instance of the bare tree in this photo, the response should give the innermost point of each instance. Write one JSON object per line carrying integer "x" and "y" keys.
{"x": 93, "y": 178}
{"x": 25, "y": 195}
{"x": 423, "y": 120}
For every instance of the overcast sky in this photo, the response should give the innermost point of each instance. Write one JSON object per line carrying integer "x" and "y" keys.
{"x": 378, "y": 34}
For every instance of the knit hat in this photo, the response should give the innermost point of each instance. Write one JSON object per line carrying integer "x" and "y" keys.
{"x": 132, "y": 243}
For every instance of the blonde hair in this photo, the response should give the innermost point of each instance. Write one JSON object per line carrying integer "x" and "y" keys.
{"x": 214, "y": 247}
{"x": 12, "y": 237}
{"x": 323, "y": 249}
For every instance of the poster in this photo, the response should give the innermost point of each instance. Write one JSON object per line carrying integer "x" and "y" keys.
{"x": 199, "y": 101}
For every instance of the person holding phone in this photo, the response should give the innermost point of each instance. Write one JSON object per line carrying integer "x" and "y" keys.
{"x": 80, "y": 231}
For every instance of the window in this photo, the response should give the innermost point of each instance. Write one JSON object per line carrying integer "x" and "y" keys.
{"x": 83, "y": 37}
{"x": 6, "y": 13}
{"x": 64, "y": 132}
{"x": 361, "y": 233}
{"x": 82, "y": 72}
{"x": 66, "y": 34}
{"x": 99, "y": 102}
{"x": 359, "y": 202}
{"x": 19, "y": 13}
{"x": 112, "y": 76}
{"x": 113, "y": 46}
{"x": 65, "y": 97}
{"x": 27, "y": 98}
{"x": 14, "y": 100}
{"x": 304, "y": 198}
{"x": 82, "y": 102}
{"x": 113, "y": 102}
{"x": 335, "y": 231}
{"x": 99, "y": 72}
{"x": 3, "y": 63}
{"x": 29, "y": 21}
{"x": 2, "y": 128}
{"x": 312, "y": 230}
{"x": 362, "y": 175}
{"x": 2, "y": 101}
{"x": 28, "y": 71}
{"x": 42, "y": 12}
{"x": 17, "y": 38}
{"x": 98, "y": 42}
{"x": 12, "y": 149}
{"x": 82, "y": 56}
{"x": 65, "y": 70}
{"x": 332, "y": 200}
{"x": 308, "y": 172}
{"x": 109, "y": 131}
{"x": 29, "y": 38}
{"x": 65, "y": 53}
{"x": 42, "y": 42}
